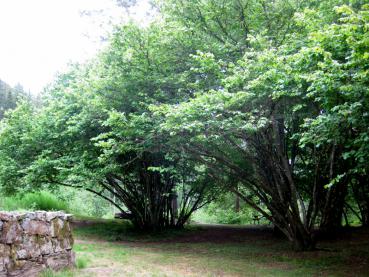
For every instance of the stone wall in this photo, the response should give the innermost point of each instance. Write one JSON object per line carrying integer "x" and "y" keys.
{"x": 33, "y": 241}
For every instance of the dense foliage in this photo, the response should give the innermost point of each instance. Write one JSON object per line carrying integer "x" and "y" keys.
{"x": 267, "y": 100}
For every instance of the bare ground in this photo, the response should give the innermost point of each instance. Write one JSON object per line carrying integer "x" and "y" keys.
{"x": 223, "y": 250}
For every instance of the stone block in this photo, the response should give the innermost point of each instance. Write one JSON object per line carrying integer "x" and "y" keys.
{"x": 40, "y": 215}
{"x": 11, "y": 233}
{"x": 64, "y": 259}
{"x": 56, "y": 227}
{"x": 5, "y": 216}
{"x": 4, "y": 256}
{"x": 46, "y": 246}
{"x": 51, "y": 215}
{"x": 4, "y": 250}
{"x": 25, "y": 268}
{"x": 35, "y": 227}
{"x": 60, "y": 228}
{"x": 33, "y": 241}
{"x": 30, "y": 248}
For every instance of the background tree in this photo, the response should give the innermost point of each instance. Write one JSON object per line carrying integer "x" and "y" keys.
{"x": 264, "y": 99}
{"x": 93, "y": 133}
{"x": 9, "y": 97}
{"x": 255, "y": 127}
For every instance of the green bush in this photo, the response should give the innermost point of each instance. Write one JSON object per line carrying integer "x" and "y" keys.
{"x": 79, "y": 203}
{"x": 42, "y": 200}
{"x": 222, "y": 215}
{"x": 222, "y": 211}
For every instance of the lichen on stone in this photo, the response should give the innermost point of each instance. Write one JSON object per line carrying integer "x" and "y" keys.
{"x": 33, "y": 241}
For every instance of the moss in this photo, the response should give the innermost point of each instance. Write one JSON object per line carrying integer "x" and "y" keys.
{"x": 65, "y": 231}
{"x": 14, "y": 262}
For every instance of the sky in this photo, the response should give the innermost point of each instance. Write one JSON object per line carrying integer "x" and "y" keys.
{"x": 38, "y": 38}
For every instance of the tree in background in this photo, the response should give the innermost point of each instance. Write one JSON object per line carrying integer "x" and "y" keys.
{"x": 259, "y": 126}
{"x": 9, "y": 97}
{"x": 94, "y": 132}
{"x": 264, "y": 99}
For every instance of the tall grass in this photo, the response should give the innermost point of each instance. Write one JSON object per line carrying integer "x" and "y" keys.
{"x": 33, "y": 201}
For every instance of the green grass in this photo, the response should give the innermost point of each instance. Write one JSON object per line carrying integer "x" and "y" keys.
{"x": 82, "y": 262}
{"x": 162, "y": 254}
{"x": 51, "y": 273}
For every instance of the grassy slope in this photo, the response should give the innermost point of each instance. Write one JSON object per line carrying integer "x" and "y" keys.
{"x": 210, "y": 252}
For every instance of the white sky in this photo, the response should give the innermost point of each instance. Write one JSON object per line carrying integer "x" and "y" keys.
{"x": 40, "y": 37}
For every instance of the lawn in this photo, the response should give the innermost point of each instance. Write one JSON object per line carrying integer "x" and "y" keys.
{"x": 110, "y": 248}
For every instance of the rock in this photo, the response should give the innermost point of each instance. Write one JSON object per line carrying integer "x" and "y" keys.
{"x": 41, "y": 215}
{"x": 62, "y": 260}
{"x": 5, "y": 216}
{"x": 33, "y": 241}
{"x": 2, "y": 264}
{"x": 26, "y": 269}
{"x": 4, "y": 256}
{"x": 57, "y": 246}
{"x": 46, "y": 246}
{"x": 22, "y": 254}
{"x": 20, "y": 216}
{"x": 72, "y": 258}
{"x": 56, "y": 226}
{"x": 51, "y": 215}
{"x": 4, "y": 250}
{"x": 60, "y": 228}
{"x": 68, "y": 243}
{"x": 66, "y": 217}
{"x": 11, "y": 233}
{"x": 36, "y": 227}
{"x": 28, "y": 249}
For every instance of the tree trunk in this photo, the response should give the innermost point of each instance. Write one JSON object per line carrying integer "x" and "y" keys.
{"x": 333, "y": 210}
{"x": 361, "y": 196}
{"x": 237, "y": 204}
{"x": 303, "y": 242}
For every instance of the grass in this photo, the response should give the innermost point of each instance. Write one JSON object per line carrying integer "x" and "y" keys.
{"x": 82, "y": 262}
{"x": 112, "y": 248}
{"x": 50, "y": 273}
